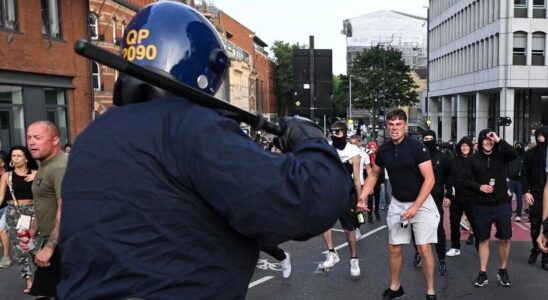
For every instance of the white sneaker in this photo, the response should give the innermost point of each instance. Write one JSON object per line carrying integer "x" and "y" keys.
{"x": 286, "y": 266}
{"x": 518, "y": 219}
{"x": 354, "y": 267}
{"x": 357, "y": 233}
{"x": 453, "y": 252}
{"x": 5, "y": 262}
{"x": 331, "y": 258}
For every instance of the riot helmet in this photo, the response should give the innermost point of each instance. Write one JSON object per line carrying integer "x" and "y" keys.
{"x": 174, "y": 39}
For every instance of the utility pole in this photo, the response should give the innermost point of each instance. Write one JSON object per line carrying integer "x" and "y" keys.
{"x": 312, "y": 80}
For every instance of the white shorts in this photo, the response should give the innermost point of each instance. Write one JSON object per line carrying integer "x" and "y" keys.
{"x": 424, "y": 224}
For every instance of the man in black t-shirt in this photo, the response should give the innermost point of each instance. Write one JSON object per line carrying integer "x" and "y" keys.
{"x": 409, "y": 167}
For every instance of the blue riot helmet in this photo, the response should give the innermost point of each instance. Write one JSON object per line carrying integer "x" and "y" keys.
{"x": 177, "y": 40}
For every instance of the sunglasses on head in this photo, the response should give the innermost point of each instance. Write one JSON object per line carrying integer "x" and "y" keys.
{"x": 335, "y": 130}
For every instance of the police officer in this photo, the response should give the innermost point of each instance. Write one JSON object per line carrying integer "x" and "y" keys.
{"x": 152, "y": 210}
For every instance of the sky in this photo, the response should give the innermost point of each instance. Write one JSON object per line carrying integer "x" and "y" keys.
{"x": 293, "y": 21}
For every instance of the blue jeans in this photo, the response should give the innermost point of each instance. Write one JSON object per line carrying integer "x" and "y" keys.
{"x": 386, "y": 193}
{"x": 515, "y": 188}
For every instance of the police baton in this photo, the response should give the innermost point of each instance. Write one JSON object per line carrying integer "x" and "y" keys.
{"x": 102, "y": 56}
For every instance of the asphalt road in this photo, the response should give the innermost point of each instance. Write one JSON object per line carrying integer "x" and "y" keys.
{"x": 529, "y": 282}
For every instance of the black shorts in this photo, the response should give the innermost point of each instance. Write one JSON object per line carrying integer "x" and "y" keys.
{"x": 45, "y": 280}
{"x": 486, "y": 215}
{"x": 348, "y": 219}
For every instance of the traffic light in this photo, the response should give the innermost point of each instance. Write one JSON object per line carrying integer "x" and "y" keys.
{"x": 504, "y": 121}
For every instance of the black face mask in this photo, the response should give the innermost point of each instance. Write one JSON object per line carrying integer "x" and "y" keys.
{"x": 338, "y": 142}
{"x": 519, "y": 150}
{"x": 431, "y": 145}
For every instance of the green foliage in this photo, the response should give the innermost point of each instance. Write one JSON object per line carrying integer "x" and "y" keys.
{"x": 381, "y": 80}
{"x": 283, "y": 56}
{"x": 340, "y": 95}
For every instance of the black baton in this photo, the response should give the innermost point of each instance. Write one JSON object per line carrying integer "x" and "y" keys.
{"x": 102, "y": 56}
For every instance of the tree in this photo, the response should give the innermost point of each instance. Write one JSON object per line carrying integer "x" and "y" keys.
{"x": 340, "y": 95}
{"x": 380, "y": 80}
{"x": 283, "y": 56}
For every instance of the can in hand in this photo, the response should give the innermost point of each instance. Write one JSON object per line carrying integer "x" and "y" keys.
{"x": 492, "y": 182}
{"x": 360, "y": 217}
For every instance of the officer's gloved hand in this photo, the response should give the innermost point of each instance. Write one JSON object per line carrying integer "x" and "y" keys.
{"x": 296, "y": 130}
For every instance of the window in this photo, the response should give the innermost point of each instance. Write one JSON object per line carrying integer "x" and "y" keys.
{"x": 12, "y": 128}
{"x": 56, "y": 111}
{"x": 8, "y": 14}
{"x": 93, "y": 26}
{"x": 539, "y": 8}
{"x": 520, "y": 8}
{"x": 51, "y": 19}
{"x": 96, "y": 76}
{"x": 520, "y": 48}
{"x": 537, "y": 52}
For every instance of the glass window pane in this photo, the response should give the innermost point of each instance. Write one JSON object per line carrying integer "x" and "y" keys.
{"x": 538, "y": 42}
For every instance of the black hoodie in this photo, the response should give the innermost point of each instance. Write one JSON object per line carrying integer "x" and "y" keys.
{"x": 534, "y": 164}
{"x": 483, "y": 167}
{"x": 458, "y": 165}
{"x": 440, "y": 164}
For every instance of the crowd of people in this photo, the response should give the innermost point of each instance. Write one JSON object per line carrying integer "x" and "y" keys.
{"x": 147, "y": 207}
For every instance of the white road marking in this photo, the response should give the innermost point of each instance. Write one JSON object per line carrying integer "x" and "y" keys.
{"x": 259, "y": 281}
{"x": 361, "y": 237}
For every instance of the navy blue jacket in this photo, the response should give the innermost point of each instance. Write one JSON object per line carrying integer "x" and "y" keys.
{"x": 168, "y": 200}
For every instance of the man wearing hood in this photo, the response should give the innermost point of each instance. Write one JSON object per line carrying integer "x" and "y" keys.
{"x": 487, "y": 177}
{"x": 534, "y": 179}
{"x": 440, "y": 164}
{"x": 462, "y": 199}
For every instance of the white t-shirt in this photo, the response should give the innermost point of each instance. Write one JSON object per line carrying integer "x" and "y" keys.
{"x": 349, "y": 152}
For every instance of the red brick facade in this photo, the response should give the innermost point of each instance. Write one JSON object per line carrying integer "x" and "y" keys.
{"x": 27, "y": 52}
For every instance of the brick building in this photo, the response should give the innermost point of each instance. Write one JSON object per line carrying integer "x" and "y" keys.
{"x": 41, "y": 78}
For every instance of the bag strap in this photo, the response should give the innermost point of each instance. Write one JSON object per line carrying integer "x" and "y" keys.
{"x": 10, "y": 186}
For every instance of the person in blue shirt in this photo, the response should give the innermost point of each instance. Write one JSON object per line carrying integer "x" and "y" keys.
{"x": 165, "y": 199}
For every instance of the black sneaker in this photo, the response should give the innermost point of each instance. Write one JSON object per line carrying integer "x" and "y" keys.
{"x": 431, "y": 297}
{"x": 470, "y": 239}
{"x": 417, "y": 260}
{"x": 503, "y": 278}
{"x": 482, "y": 279}
{"x": 377, "y": 216}
{"x": 442, "y": 267}
{"x": 390, "y": 294}
{"x": 533, "y": 256}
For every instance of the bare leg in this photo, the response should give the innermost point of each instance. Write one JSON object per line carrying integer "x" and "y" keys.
{"x": 328, "y": 238}
{"x": 5, "y": 242}
{"x": 484, "y": 254}
{"x": 351, "y": 239}
{"x": 428, "y": 267}
{"x": 396, "y": 259}
{"x": 504, "y": 252}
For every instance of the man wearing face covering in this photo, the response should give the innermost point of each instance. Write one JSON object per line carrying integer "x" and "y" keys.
{"x": 440, "y": 164}
{"x": 534, "y": 179}
{"x": 513, "y": 170}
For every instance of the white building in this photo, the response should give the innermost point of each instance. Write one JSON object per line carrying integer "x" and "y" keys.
{"x": 403, "y": 31}
{"x": 487, "y": 58}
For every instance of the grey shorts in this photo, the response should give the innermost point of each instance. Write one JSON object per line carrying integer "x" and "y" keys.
{"x": 424, "y": 224}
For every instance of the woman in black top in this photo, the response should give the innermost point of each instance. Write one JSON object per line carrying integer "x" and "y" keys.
{"x": 22, "y": 168}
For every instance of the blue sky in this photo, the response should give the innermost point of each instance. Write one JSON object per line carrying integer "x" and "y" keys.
{"x": 294, "y": 21}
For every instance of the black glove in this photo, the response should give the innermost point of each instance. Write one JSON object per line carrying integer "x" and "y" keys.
{"x": 296, "y": 130}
